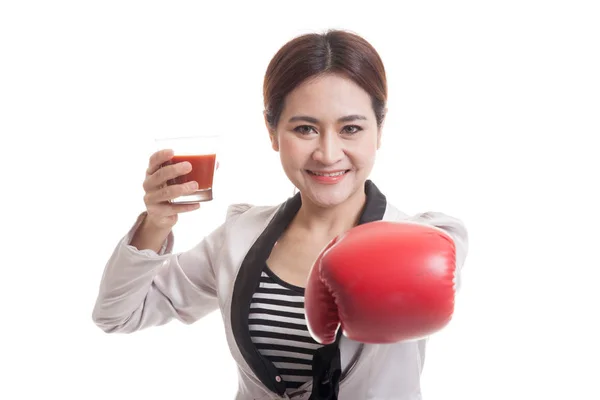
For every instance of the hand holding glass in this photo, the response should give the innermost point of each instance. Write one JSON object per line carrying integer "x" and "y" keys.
{"x": 201, "y": 153}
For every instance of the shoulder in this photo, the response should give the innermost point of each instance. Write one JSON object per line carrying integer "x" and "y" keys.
{"x": 451, "y": 225}
{"x": 434, "y": 218}
{"x": 243, "y": 225}
{"x": 250, "y": 213}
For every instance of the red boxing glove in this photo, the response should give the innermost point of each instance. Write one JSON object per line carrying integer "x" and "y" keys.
{"x": 382, "y": 282}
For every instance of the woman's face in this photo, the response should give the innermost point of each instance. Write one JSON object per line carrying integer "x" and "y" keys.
{"x": 327, "y": 137}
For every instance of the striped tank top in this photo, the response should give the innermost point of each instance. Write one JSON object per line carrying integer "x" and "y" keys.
{"x": 278, "y": 329}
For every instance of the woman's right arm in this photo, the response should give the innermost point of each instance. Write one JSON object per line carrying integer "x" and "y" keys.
{"x": 143, "y": 284}
{"x": 144, "y": 288}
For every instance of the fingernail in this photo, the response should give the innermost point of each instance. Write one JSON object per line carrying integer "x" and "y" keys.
{"x": 192, "y": 185}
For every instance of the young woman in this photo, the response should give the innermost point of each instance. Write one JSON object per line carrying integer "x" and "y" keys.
{"x": 325, "y": 104}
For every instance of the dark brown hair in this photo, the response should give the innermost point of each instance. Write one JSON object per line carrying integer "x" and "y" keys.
{"x": 332, "y": 52}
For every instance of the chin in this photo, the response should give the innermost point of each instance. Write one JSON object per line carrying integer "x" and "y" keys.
{"x": 324, "y": 201}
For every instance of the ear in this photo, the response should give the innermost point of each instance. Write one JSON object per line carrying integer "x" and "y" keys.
{"x": 380, "y": 130}
{"x": 272, "y": 134}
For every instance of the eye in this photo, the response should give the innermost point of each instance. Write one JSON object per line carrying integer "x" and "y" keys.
{"x": 352, "y": 129}
{"x": 304, "y": 129}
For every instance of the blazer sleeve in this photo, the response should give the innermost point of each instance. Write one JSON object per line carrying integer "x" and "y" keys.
{"x": 140, "y": 289}
{"x": 456, "y": 229}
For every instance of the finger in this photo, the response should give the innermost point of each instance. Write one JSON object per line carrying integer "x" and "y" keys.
{"x": 164, "y": 174}
{"x": 169, "y": 192}
{"x": 158, "y": 159}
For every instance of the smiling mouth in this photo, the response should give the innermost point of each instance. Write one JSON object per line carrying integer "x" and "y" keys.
{"x": 331, "y": 174}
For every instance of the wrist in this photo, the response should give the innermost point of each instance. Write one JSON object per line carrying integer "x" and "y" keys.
{"x": 156, "y": 228}
{"x": 150, "y": 235}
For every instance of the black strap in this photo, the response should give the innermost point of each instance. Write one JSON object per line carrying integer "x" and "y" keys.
{"x": 327, "y": 371}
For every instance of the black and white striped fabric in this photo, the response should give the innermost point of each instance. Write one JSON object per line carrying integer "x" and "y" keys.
{"x": 278, "y": 329}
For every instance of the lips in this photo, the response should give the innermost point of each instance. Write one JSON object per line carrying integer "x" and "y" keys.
{"x": 328, "y": 177}
{"x": 328, "y": 173}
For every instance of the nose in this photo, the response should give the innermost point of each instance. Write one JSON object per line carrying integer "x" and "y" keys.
{"x": 329, "y": 150}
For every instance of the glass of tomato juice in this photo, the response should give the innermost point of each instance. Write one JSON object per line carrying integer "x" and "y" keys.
{"x": 201, "y": 152}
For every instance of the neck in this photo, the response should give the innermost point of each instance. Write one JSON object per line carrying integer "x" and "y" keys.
{"x": 331, "y": 221}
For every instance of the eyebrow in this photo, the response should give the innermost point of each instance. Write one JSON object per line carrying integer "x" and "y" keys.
{"x": 347, "y": 118}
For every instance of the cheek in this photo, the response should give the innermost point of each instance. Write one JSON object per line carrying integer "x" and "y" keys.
{"x": 292, "y": 151}
{"x": 364, "y": 155}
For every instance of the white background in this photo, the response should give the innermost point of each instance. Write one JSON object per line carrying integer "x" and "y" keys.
{"x": 493, "y": 118}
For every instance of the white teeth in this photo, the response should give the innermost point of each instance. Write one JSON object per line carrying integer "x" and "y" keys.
{"x": 328, "y": 174}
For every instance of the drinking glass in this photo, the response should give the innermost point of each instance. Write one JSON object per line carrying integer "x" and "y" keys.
{"x": 201, "y": 152}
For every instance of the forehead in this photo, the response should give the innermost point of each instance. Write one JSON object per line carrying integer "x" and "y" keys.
{"x": 328, "y": 96}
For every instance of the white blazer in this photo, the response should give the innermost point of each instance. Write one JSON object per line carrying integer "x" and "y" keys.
{"x": 140, "y": 289}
